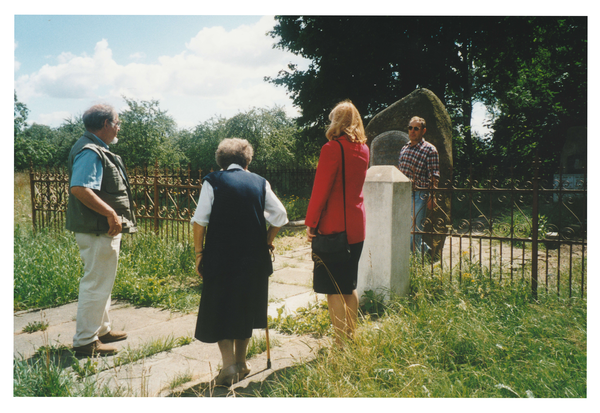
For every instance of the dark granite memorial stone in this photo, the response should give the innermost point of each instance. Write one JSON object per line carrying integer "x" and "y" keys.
{"x": 385, "y": 148}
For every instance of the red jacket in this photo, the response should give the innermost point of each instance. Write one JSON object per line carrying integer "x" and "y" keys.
{"x": 326, "y": 206}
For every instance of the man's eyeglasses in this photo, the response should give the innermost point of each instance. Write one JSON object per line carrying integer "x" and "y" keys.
{"x": 416, "y": 128}
{"x": 117, "y": 123}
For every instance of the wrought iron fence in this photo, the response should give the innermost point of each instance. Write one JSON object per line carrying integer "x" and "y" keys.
{"x": 287, "y": 181}
{"x": 164, "y": 199}
{"x": 506, "y": 228}
{"x": 502, "y": 227}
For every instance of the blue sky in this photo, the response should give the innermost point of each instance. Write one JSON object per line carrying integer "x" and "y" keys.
{"x": 196, "y": 66}
{"x": 199, "y": 62}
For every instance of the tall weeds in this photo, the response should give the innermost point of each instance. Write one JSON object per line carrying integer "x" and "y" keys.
{"x": 474, "y": 340}
{"x": 152, "y": 271}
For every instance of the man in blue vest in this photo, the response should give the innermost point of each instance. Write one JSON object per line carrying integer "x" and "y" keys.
{"x": 100, "y": 209}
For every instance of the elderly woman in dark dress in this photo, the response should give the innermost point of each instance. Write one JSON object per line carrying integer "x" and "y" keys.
{"x": 234, "y": 262}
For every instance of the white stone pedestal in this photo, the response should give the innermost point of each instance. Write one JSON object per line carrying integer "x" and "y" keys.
{"x": 384, "y": 265}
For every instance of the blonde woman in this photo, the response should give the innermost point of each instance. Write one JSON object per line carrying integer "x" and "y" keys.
{"x": 326, "y": 213}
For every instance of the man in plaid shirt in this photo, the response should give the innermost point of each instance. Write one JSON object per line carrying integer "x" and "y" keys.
{"x": 419, "y": 161}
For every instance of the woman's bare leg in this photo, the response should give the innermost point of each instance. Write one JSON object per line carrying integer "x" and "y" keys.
{"x": 337, "y": 312}
{"x": 227, "y": 354}
{"x": 351, "y": 301}
{"x": 241, "y": 348}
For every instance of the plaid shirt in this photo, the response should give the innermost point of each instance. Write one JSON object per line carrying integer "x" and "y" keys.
{"x": 419, "y": 163}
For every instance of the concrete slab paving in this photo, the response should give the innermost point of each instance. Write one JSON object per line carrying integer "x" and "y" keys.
{"x": 295, "y": 276}
{"x": 139, "y": 322}
{"x": 290, "y": 287}
{"x": 292, "y": 350}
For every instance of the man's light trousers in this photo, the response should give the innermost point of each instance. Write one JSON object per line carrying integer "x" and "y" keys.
{"x": 100, "y": 255}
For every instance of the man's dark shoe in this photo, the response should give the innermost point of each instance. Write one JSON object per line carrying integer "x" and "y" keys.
{"x": 95, "y": 348}
{"x": 113, "y": 336}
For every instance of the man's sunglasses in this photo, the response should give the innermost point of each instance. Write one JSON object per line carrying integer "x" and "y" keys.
{"x": 416, "y": 128}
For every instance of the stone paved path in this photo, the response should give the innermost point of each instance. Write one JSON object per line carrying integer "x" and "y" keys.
{"x": 198, "y": 363}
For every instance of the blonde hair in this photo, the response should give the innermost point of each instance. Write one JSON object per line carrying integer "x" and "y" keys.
{"x": 419, "y": 120}
{"x": 345, "y": 120}
{"x": 234, "y": 150}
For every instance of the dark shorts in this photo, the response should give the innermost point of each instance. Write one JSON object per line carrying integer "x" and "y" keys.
{"x": 338, "y": 278}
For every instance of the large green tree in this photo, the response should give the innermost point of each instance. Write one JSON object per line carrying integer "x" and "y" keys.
{"x": 375, "y": 61}
{"x": 533, "y": 73}
{"x": 34, "y": 145}
{"x": 273, "y": 135}
{"x": 147, "y": 135}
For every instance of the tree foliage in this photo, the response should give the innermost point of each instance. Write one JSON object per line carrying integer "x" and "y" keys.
{"x": 526, "y": 69}
{"x": 534, "y": 76}
{"x": 273, "y": 135}
{"x": 41, "y": 144}
{"x": 149, "y": 134}
{"x": 373, "y": 61}
{"x": 21, "y": 113}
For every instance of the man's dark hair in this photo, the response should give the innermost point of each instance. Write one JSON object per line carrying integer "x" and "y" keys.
{"x": 94, "y": 117}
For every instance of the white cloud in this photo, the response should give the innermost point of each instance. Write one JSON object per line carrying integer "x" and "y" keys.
{"x": 242, "y": 46}
{"x": 73, "y": 77}
{"x": 225, "y": 66}
{"x": 137, "y": 56}
{"x": 65, "y": 57}
{"x": 53, "y": 118}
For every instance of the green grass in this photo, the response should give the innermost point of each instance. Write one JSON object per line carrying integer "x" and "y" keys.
{"x": 295, "y": 206}
{"x": 47, "y": 268}
{"x": 152, "y": 271}
{"x": 34, "y": 326}
{"x": 44, "y": 377}
{"x": 258, "y": 345}
{"x": 180, "y": 379}
{"x": 132, "y": 354}
{"x": 475, "y": 340}
{"x": 313, "y": 320}
{"x": 157, "y": 272}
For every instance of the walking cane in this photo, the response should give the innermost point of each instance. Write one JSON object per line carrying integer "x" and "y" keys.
{"x": 268, "y": 347}
{"x": 271, "y": 249}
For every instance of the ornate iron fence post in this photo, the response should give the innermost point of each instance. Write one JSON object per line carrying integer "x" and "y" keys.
{"x": 32, "y": 194}
{"x": 156, "y": 200}
{"x": 534, "y": 228}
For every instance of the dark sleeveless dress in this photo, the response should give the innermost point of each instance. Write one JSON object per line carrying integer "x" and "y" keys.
{"x": 236, "y": 263}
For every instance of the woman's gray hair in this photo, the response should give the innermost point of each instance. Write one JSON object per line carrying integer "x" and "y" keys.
{"x": 234, "y": 150}
{"x": 94, "y": 117}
